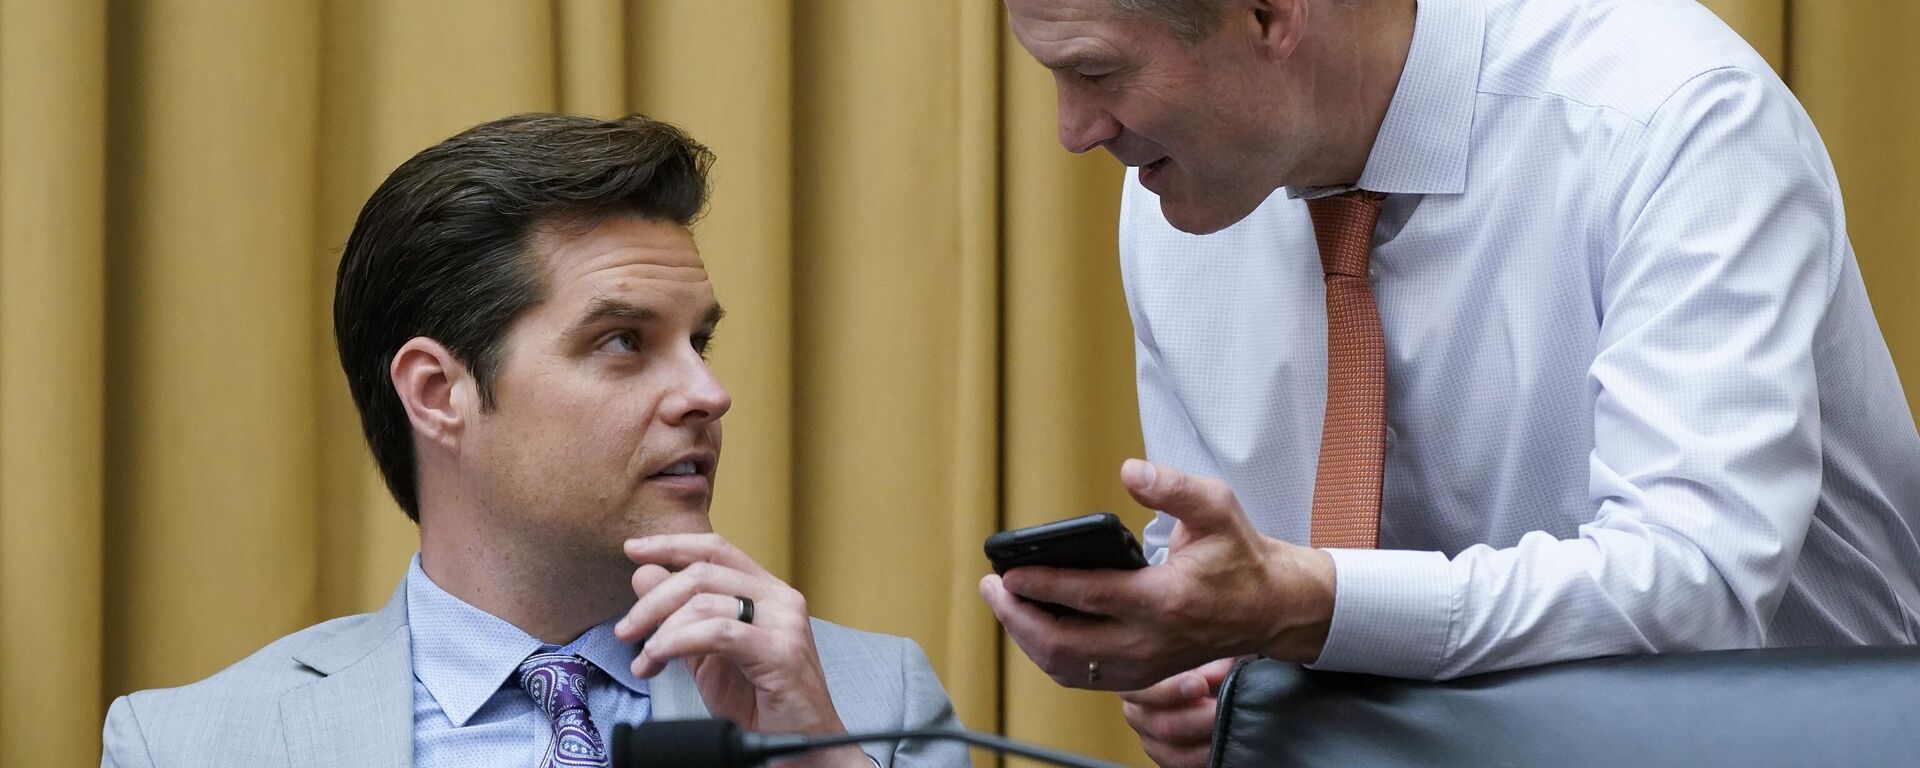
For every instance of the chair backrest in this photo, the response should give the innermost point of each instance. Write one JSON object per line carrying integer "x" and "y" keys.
{"x": 1772, "y": 707}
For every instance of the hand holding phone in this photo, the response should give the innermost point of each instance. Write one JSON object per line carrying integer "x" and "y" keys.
{"x": 1090, "y": 542}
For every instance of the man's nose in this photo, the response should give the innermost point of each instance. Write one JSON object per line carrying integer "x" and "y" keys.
{"x": 1084, "y": 125}
{"x": 698, "y": 398}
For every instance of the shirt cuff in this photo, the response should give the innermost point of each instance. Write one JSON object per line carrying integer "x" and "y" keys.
{"x": 1392, "y": 610}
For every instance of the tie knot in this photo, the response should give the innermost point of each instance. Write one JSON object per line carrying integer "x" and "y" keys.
{"x": 1343, "y": 228}
{"x": 557, "y": 682}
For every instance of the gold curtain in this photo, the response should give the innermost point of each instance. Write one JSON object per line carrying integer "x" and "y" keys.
{"x": 927, "y": 340}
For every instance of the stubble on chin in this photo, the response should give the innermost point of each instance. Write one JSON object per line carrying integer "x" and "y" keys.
{"x": 585, "y": 553}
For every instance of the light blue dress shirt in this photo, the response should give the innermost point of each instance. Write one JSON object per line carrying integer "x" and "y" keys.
{"x": 1637, "y": 400}
{"x": 468, "y": 708}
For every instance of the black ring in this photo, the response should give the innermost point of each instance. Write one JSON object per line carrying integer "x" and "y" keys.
{"x": 746, "y": 609}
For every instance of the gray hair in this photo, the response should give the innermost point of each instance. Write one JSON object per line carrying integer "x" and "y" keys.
{"x": 1191, "y": 20}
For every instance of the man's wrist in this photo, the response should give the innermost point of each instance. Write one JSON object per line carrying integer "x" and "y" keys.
{"x": 1304, "y": 582}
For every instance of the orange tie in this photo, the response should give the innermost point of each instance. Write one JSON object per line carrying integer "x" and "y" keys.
{"x": 1353, "y": 440}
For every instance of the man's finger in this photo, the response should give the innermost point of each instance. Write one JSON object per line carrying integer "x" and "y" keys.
{"x": 1022, "y": 620}
{"x": 1180, "y": 689}
{"x": 669, "y": 595}
{"x": 1064, "y": 646}
{"x": 1101, "y": 592}
{"x": 676, "y": 551}
{"x": 1203, "y": 504}
{"x": 706, "y": 605}
{"x": 1215, "y": 672}
{"x": 697, "y": 609}
{"x": 1043, "y": 637}
{"x": 647, "y": 577}
{"x": 1167, "y": 756}
{"x": 1188, "y": 725}
{"x": 732, "y": 640}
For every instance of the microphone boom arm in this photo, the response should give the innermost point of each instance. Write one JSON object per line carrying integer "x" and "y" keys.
{"x": 990, "y": 741}
{"x": 719, "y": 743}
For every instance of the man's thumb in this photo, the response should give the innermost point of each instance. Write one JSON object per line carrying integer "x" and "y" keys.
{"x": 1200, "y": 503}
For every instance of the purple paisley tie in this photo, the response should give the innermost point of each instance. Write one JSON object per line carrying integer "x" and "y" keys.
{"x": 558, "y": 684}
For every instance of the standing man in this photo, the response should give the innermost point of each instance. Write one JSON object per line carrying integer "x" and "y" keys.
{"x": 1471, "y": 335}
{"x": 523, "y": 318}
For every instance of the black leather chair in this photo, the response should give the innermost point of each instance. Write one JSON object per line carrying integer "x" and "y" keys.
{"x": 1774, "y": 707}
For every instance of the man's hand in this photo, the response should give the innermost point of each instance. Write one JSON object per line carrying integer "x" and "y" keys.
{"x": 1224, "y": 590}
{"x": 1175, "y": 717}
{"x": 763, "y": 675}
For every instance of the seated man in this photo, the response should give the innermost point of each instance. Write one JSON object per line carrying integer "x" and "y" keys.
{"x": 523, "y": 319}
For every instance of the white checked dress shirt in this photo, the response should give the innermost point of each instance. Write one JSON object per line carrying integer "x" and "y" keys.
{"x": 1637, "y": 400}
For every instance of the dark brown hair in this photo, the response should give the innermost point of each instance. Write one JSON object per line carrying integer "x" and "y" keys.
{"x": 441, "y": 249}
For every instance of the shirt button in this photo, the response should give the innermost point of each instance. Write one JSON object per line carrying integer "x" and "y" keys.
{"x": 1373, "y": 273}
{"x": 1393, "y": 438}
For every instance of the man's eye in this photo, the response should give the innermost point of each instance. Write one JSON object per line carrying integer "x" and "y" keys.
{"x": 703, "y": 345}
{"x": 624, "y": 342}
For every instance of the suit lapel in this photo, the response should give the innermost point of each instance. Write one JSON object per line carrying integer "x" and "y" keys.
{"x": 360, "y": 712}
{"x": 675, "y": 697}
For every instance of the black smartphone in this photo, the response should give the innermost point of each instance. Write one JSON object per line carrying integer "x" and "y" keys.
{"x": 1093, "y": 541}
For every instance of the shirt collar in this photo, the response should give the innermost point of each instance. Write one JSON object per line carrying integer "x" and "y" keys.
{"x": 611, "y": 654}
{"x": 1422, "y": 145}
{"x": 464, "y": 655}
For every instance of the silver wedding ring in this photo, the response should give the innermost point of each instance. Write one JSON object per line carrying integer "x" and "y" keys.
{"x": 1093, "y": 673}
{"x": 746, "y": 609}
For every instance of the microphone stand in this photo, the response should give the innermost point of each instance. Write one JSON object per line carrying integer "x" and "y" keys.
{"x": 721, "y": 743}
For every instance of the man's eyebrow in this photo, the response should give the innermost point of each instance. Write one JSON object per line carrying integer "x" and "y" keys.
{"x": 606, "y": 306}
{"x": 603, "y": 307}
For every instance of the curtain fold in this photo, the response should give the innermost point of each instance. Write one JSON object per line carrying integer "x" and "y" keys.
{"x": 894, "y": 310}
{"x": 1069, "y": 418}
{"x": 926, "y": 342}
{"x": 52, "y": 340}
{"x": 968, "y": 656}
{"x": 722, "y": 70}
{"x": 210, "y": 489}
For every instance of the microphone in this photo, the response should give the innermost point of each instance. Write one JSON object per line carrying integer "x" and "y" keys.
{"x": 719, "y": 743}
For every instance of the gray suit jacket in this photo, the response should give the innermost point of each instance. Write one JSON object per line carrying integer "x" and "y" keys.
{"x": 341, "y": 693}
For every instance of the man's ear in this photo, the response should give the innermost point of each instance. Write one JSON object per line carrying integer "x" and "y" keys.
{"x": 437, "y": 390}
{"x": 1276, "y": 26}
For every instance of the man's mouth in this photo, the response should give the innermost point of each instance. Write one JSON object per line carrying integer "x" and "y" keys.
{"x": 692, "y": 464}
{"x": 689, "y": 474}
{"x": 682, "y": 468}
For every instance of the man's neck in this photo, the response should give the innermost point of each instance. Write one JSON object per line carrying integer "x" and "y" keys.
{"x": 553, "y": 598}
{"x": 1365, "y": 52}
